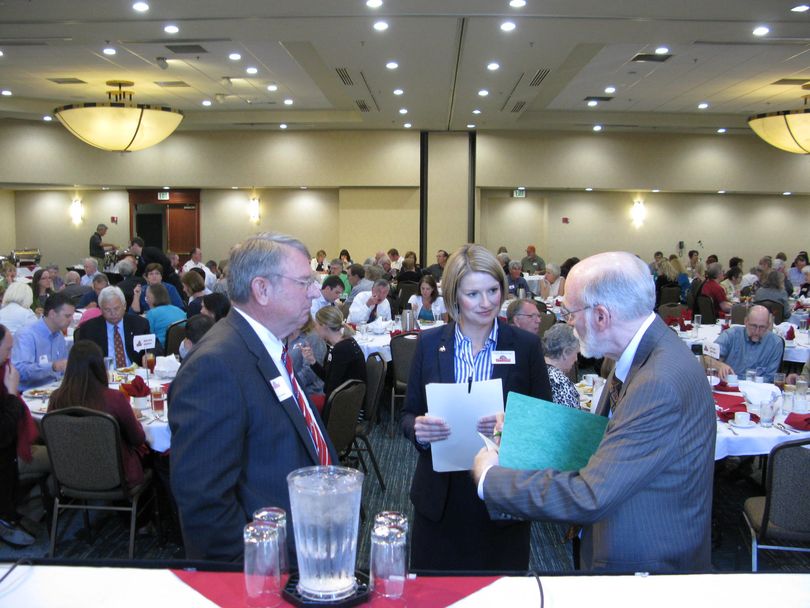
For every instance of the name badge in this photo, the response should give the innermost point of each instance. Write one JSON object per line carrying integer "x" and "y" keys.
{"x": 280, "y": 388}
{"x": 43, "y": 359}
{"x": 503, "y": 357}
{"x": 713, "y": 350}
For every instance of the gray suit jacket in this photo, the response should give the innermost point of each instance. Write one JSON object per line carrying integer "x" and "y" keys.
{"x": 363, "y": 285}
{"x": 645, "y": 496}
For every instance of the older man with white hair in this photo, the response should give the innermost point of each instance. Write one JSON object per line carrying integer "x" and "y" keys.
{"x": 90, "y": 271}
{"x": 657, "y": 453}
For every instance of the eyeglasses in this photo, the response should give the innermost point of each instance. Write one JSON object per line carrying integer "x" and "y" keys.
{"x": 566, "y": 314}
{"x": 305, "y": 283}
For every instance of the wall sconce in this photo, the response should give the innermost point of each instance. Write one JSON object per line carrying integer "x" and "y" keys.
{"x": 76, "y": 211}
{"x": 253, "y": 209}
{"x": 638, "y": 213}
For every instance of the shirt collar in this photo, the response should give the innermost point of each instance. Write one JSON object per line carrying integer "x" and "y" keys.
{"x": 271, "y": 343}
{"x": 626, "y": 360}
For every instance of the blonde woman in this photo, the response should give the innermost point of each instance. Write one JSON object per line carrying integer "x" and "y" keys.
{"x": 16, "y": 312}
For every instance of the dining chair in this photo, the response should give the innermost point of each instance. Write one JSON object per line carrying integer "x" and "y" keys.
{"x": 84, "y": 447}
{"x": 670, "y": 295}
{"x": 783, "y": 514}
{"x": 691, "y": 295}
{"x": 341, "y": 412}
{"x": 375, "y": 382}
{"x": 777, "y": 310}
{"x": 175, "y": 335}
{"x": 738, "y": 312}
{"x": 705, "y": 308}
{"x": 547, "y": 321}
{"x": 668, "y": 311}
{"x": 403, "y": 348}
{"x": 406, "y": 289}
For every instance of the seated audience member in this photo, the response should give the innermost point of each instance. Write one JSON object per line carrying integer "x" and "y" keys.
{"x": 713, "y": 290}
{"x": 319, "y": 263}
{"x": 161, "y": 312}
{"x": 114, "y": 331}
{"x": 412, "y": 256}
{"x": 683, "y": 278}
{"x": 560, "y": 349}
{"x": 213, "y": 267}
{"x": 357, "y": 279}
{"x": 388, "y": 271}
{"x": 14, "y": 415}
{"x": 90, "y": 270}
{"x": 658, "y": 257}
{"x": 693, "y": 259}
{"x": 753, "y": 346}
{"x": 373, "y": 272}
{"x": 503, "y": 260}
{"x": 532, "y": 263}
{"x": 216, "y": 305}
{"x": 795, "y": 273}
{"x": 773, "y": 289}
{"x": 437, "y": 269}
{"x": 85, "y": 383}
{"x": 751, "y": 279}
{"x": 712, "y": 259}
{"x": 73, "y": 287}
{"x": 428, "y": 305}
{"x": 553, "y": 284}
{"x": 194, "y": 287}
{"x": 310, "y": 382}
{"x": 126, "y": 268}
{"x": 196, "y": 327}
{"x": 58, "y": 282}
{"x": 515, "y": 281}
{"x": 9, "y": 275}
{"x": 345, "y": 258}
{"x": 16, "y": 312}
{"x": 567, "y": 265}
{"x": 667, "y": 277}
{"x": 408, "y": 273}
{"x": 344, "y": 358}
{"x": 331, "y": 289}
{"x": 154, "y": 276}
{"x": 780, "y": 267}
{"x": 90, "y": 299}
{"x": 396, "y": 259}
{"x": 732, "y": 282}
{"x": 336, "y": 269}
{"x": 40, "y": 351}
{"x": 369, "y": 306}
{"x": 41, "y": 288}
{"x": 735, "y": 261}
{"x": 804, "y": 288}
{"x": 523, "y": 313}
{"x": 174, "y": 261}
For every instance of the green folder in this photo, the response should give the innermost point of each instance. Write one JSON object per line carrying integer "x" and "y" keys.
{"x": 538, "y": 434}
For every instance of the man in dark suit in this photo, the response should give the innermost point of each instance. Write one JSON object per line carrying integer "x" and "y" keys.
{"x": 115, "y": 318}
{"x": 239, "y": 421}
{"x": 153, "y": 255}
{"x": 645, "y": 496}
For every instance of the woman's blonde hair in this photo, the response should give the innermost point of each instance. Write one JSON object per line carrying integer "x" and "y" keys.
{"x": 19, "y": 293}
{"x": 331, "y": 318}
{"x": 466, "y": 259}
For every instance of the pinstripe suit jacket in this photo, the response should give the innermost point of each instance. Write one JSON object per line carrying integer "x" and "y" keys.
{"x": 645, "y": 496}
{"x": 233, "y": 441}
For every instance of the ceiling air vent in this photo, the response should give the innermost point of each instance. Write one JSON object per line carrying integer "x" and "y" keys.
{"x": 796, "y": 82}
{"x": 186, "y": 49}
{"x": 343, "y": 74}
{"x": 362, "y": 105}
{"x": 67, "y": 81}
{"x": 651, "y": 57}
{"x": 539, "y": 77}
{"x": 171, "y": 84}
{"x": 597, "y": 98}
{"x": 518, "y": 107}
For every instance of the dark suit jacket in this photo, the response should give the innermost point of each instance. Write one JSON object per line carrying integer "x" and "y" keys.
{"x": 233, "y": 441}
{"x": 96, "y": 330}
{"x": 646, "y": 494}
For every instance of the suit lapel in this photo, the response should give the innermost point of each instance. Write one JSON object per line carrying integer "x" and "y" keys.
{"x": 446, "y": 353}
{"x": 505, "y": 342}
{"x": 645, "y": 347}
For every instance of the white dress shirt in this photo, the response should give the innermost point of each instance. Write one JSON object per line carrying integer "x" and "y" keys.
{"x": 360, "y": 311}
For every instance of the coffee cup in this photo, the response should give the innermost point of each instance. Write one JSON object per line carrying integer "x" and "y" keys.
{"x": 590, "y": 379}
{"x": 742, "y": 418}
{"x": 732, "y": 380}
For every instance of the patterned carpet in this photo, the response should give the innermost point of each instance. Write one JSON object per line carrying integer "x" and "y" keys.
{"x": 397, "y": 459}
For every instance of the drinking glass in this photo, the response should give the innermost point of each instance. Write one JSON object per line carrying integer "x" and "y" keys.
{"x": 109, "y": 365}
{"x": 697, "y": 320}
{"x": 158, "y": 401}
{"x": 387, "y": 560}
{"x": 750, "y": 374}
{"x": 767, "y": 411}
{"x": 713, "y": 375}
{"x": 779, "y": 381}
{"x": 787, "y": 402}
{"x": 278, "y": 517}
{"x": 262, "y": 575}
{"x": 801, "y": 387}
{"x": 149, "y": 360}
{"x": 803, "y": 325}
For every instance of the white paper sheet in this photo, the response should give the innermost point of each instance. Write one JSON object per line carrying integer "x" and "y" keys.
{"x": 460, "y": 406}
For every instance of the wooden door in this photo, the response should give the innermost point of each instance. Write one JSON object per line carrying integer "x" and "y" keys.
{"x": 182, "y": 229}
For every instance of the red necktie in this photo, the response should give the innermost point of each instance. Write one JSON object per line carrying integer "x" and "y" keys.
{"x": 312, "y": 426}
{"x": 118, "y": 345}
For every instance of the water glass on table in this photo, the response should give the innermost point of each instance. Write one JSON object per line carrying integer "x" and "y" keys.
{"x": 277, "y": 517}
{"x": 262, "y": 566}
{"x": 387, "y": 560}
{"x": 767, "y": 412}
{"x": 779, "y": 381}
{"x": 158, "y": 401}
{"x": 750, "y": 374}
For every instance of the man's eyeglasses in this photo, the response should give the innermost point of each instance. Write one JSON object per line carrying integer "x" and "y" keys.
{"x": 305, "y": 283}
{"x": 566, "y": 314}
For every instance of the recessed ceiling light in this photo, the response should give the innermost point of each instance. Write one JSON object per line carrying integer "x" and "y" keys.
{"x": 470, "y": 126}
{"x": 662, "y": 50}
{"x": 105, "y": 187}
{"x": 517, "y": 3}
{"x": 206, "y": 102}
{"x": 282, "y": 126}
{"x": 392, "y": 65}
{"x": 141, "y": 7}
{"x": 483, "y": 93}
{"x": 47, "y": 118}
{"x": 1, "y": 53}
{"x": 234, "y": 187}
{"x": 398, "y": 91}
{"x": 302, "y": 187}
{"x": 166, "y": 187}
{"x": 801, "y": 8}
{"x": 493, "y": 65}
{"x": 272, "y": 88}
{"x": 108, "y": 50}
{"x": 761, "y": 30}
{"x": 5, "y": 93}
{"x": 610, "y": 90}
{"x": 381, "y": 26}
{"x": 374, "y": 3}
{"x": 288, "y": 101}
{"x": 403, "y": 110}
{"x": 721, "y": 192}
{"x": 234, "y": 56}
{"x": 786, "y": 193}
{"x": 703, "y": 105}
{"x": 476, "y": 111}
{"x": 721, "y": 130}
{"x": 656, "y": 190}
{"x": 252, "y": 70}
{"x": 407, "y": 125}
{"x": 508, "y": 26}
{"x": 588, "y": 189}
{"x": 597, "y": 128}
{"x": 593, "y": 103}
{"x": 171, "y": 29}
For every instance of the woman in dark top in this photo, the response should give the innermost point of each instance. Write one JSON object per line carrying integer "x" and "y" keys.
{"x": 667, "y": 277}
{"x": 194, "y": 286}
{"x": 215, "y": 305}
{"x": 344, "y": 358}
{"x": 42, "y": 286}
{"x": 85, "y": 384}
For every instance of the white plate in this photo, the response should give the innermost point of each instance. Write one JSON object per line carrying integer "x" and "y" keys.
{"x": 741, "y": 426}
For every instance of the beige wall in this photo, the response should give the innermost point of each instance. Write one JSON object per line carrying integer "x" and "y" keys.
{"x": 42, "y": 219}
{"x": 748, "y": 226}
{"x": 448, "y": 169}
{"x": 7, "y": 232}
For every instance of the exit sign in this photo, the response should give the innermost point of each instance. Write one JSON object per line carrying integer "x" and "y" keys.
{"x": 163, "y": 196}
{"x": 519, "y": 193}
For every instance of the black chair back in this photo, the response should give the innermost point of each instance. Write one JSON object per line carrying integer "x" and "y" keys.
{"x": 787, "y": 502}
{"x": 705, "y": 308}
{"x": 175, "y": 335}
{"x": 406, "y": 289}
{"x": 670, "y": 295}
{"x": 343, "y": 408}
{"x": 375, "y": 380}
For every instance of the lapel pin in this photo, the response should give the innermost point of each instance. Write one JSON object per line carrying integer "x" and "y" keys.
{"x": 442, "y": 349}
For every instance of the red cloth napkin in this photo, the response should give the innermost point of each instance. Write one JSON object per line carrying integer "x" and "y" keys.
{"x": 398, "y": 332}
{"x": 790, "y": 334}
{"x": 684, "y": 325}
{"x": 137, "y": 388}
{"x": 798, "y": 306}
{"x": 721, "y": 315}
{"x": 672, "y": 321}
{"x": 686, "y": 314}
{"x": 800, "y": 422}
{"x": 725, "y": 388}
{"x": 730, "y": 401}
